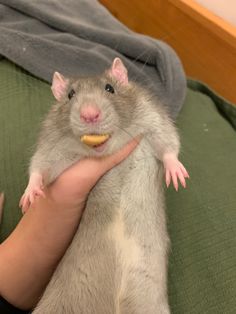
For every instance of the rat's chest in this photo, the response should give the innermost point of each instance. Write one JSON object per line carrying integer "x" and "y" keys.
{"x": 129, "y": 187}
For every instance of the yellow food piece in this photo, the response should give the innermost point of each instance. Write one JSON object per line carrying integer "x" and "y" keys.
{"x": 93, "y": 140}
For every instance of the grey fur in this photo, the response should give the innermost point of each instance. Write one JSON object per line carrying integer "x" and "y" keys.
{"x": 117, "y": 262}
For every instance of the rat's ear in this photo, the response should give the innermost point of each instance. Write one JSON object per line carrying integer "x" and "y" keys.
{"x": 119, "y": 71}
{"x": 59, "y": 85}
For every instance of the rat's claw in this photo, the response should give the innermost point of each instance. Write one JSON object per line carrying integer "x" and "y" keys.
{"x": 174, "y": 179}
{"x": 168, "y": 178}
{"x": 181, "y": 178}
{"x": 31, "y": 197}
{"x": 184, "y": 171}
{"x": 21, "y": 201}
{"x": 25, "y": 203}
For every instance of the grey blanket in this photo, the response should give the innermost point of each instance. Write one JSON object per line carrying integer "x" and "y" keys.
{"x": 80, "y": 37}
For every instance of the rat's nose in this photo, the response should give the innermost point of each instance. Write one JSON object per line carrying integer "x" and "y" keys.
{"x": 90, "y": 114}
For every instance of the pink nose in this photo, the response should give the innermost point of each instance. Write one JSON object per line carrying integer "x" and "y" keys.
{"x": 90, "y": 114}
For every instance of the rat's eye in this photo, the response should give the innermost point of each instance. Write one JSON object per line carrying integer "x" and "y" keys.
{"x": 71, "y": 93}
{"x": 109, "y": 89}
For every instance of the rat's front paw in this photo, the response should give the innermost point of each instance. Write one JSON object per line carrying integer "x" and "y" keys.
{"x": 34, "y": 189}
{"x": 174, "y": 170}
{"x": 28, "y": 197}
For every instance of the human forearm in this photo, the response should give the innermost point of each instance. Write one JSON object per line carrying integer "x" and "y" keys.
{"x": 30, "y": 254}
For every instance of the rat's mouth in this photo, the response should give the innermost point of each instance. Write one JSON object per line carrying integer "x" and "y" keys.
{"x": 96, "y": 141}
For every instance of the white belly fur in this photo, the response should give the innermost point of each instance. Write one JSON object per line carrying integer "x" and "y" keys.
{"x": 128, "y": 252}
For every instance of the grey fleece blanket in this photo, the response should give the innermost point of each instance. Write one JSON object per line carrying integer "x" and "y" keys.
{"x": 80, "y": 37}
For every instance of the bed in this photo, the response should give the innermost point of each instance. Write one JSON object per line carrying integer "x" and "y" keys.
{"x": 201, "y": 218}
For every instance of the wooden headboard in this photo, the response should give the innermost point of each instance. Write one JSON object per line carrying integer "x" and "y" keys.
{"x": 205, "y": 43}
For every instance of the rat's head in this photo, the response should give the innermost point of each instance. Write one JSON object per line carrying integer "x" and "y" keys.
{"x": 100, "y": 109}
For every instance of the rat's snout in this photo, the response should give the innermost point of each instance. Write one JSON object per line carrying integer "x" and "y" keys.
{"x": 90, "y": 113}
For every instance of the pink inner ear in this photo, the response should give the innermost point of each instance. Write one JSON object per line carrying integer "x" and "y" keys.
{"x": 59, "y": 86}
{"x": 119, "y": 71}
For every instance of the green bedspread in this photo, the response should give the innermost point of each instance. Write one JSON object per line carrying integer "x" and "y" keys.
{"x": 201, "y": 219}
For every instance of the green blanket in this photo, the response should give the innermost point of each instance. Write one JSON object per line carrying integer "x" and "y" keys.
{"x": 201, "y": 219}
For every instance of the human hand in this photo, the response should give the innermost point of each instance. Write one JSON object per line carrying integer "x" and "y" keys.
{"x": 71, "y": 188}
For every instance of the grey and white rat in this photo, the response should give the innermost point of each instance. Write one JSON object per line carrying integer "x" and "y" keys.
{"x": 117, "y": 261}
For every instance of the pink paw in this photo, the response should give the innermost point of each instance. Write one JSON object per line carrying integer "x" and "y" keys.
{"x": 174, "y": 171}
{"x": 34, "y": 189}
